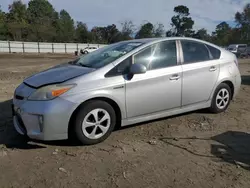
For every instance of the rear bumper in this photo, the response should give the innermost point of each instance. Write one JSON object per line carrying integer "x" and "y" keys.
{"x": 43, "y": 120}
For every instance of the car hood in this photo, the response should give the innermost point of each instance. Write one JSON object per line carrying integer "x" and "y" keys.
{"x": 57, "y": 74}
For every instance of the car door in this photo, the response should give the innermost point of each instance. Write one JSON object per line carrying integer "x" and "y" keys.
{"x": 200, "y": 71}
{"x": 160, "y": 87}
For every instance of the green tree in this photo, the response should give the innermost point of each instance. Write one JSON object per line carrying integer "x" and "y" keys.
{"x": 98, "y": 34}
{"x": 222, "y": 34}
{"x": 17, "y": 21}
{"x": 202, "y": 34}
{"x": 66, "y": 29}
{"x": 3, "y": 28}
{"x": 81, "y": 33}
{"x": 128, "y": 29}
{"x": 146, "y": 31}
{"x": 243, "y": 23}
{"x": 170, "y": 33}
{"x": 158, "y": 30}
{"x": 182, "y": 23}
{"x": 112, "y": 34}
{"x": 43, "y": 20}
{"x": 235, "y": 36}
{"x": 107, "y": 35}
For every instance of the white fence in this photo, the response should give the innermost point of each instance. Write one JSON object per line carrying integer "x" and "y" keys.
{"x": 42, "y": 47}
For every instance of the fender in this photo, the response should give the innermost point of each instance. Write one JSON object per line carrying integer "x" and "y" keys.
{"x": 218, "y": 83}
{"x": 78, "y": 99}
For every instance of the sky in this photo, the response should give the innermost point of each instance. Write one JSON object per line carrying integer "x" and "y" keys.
{"x": 206, "y": 13}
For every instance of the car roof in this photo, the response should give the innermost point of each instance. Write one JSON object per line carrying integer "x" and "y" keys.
{"x": 147, "y": 40}
{"x": 150, "y": 40}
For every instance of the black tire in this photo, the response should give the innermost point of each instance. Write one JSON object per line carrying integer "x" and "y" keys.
{"x": 85, "y": 52}
{"x": 83, "y": 111}
{"x": 213, "y": 108}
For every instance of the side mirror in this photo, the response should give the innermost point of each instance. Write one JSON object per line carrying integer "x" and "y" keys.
{"x": 137, "y": 69}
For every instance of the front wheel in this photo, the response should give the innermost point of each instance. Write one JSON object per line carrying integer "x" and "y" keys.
{"x": 94, "y": 122}
{"x": 221, "y": 99}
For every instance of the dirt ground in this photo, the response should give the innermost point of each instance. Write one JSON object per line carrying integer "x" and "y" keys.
{"x": 193, "y": 150}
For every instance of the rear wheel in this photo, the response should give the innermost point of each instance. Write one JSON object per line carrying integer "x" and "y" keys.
{"x": 221, "y": 99}
{"x": 94, "y": 122}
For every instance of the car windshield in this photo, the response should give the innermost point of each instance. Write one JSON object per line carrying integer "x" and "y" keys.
{"x": 106, "y": 55}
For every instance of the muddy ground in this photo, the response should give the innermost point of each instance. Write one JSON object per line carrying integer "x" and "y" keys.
{"x": 193, "y": 150}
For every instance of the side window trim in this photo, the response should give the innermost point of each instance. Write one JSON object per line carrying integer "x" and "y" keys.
{"x": 177, "y": 46}
{"x": 182, "y": 54}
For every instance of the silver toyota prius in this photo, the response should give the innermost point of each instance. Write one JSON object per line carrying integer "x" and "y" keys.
{"x": 122, "y": 84}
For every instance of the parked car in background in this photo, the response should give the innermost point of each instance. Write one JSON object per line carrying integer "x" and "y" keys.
{"x": 88, "y": 50}
{"x": 122, "y": 84}
{"x": 246, "y": 53}
{"x": 237, "y": 49}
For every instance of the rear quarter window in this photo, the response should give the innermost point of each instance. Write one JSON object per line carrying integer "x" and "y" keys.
{"x": 214, "y": 52}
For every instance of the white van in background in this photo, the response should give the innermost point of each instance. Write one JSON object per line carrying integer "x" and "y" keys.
{"x": 237, "y": 49}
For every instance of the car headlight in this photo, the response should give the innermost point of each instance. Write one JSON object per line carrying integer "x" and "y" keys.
{"x": 50, "y": 92}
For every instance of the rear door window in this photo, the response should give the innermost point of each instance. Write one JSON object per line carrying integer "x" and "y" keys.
{"x": 194, "y": 52}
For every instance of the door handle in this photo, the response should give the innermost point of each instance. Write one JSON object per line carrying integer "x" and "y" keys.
{"x": 213, "y": 68}
{"x": 174, "y": 77}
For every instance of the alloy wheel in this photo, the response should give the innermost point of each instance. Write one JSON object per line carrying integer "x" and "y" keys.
{"x": 96, "y": 123}
{"x": 222, "y": 98}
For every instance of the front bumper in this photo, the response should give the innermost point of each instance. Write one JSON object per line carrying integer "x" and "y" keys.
{"x": 43, "y": 120}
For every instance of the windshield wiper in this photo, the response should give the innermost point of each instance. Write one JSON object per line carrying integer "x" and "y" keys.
{"x": 78, "y": 64}
{"x": 83, "y": 65}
